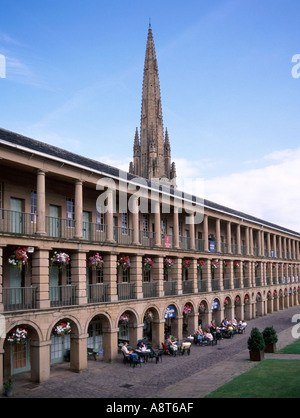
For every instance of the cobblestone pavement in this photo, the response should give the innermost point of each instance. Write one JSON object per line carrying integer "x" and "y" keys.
{"x": 185, "y": 376}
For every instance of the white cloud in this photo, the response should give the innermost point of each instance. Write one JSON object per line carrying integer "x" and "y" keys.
{"x": 271, "y": 192}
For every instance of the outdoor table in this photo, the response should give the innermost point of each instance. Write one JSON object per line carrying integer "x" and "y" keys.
{"x": 144, "y": 354}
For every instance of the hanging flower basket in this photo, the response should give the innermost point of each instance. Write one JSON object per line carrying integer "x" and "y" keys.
{"x": 200, "y": 264}
{"x": 62, "y": 328}
{"x": 237, "y": 301}
{"x": 18, "y": 336}
{"x": 226, "y": 302}
{"x": 258, "y": 297}
{"x": 225, "y": 263}
{"x": 187, "y": 264}
{"x": 147, "y": 264}
{"x": 124, "y": 319}
{"x": 275, "y": 294}
{"x": 236, "y": 265}
{"x": 269, "y": 295}
{"x": 19, "y": 258}
{"x": 124, "y": 262}
{"x": 168, "y": 264}
{"x": 96, "y": 262}
{"x": 201, "y": 307}
{"x": 148, "y": 317}
{"x": 246, "y": 300}
{"x": 60, "y": 259}
{"x": 187, "y": 309}
{"x": 214, "y": 264}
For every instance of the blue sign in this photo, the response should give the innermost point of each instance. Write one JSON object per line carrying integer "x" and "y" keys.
{"x": 215, "y": 305}
{"x": 212, "y": 246}
{"x": 170, "y": 312}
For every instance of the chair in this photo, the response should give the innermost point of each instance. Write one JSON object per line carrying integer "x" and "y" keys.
{"x": 126, "y": 358}
{"x": 156, "y": 354}
{"x": 92, "y": 353}
{"x": 214, "y": 341}
{"x": 185, "y": 347}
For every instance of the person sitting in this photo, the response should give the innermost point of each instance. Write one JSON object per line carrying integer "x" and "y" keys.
{"x": 129, "y": 353}
{"x": 143, "y": 347}
{"x": 171, "y": 345}
{"x": 199, "y": 335}
{"x": 242, "y": 325}
{"x": 208, "y": 336}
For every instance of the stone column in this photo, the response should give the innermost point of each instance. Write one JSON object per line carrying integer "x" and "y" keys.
{"x": 238, "y": 238}
{"x": 1, "y": 284}
{"x": 78, "y": 209}
{"x": 40, "y": 277}
{"x": 78, "y": 274}
{"x": 40, "y": 360}
{"x": 269, "y": 244}
{"x": 206, "y": 274}
{"x": 157, "y": 224}
{"x": 109, "y": 214}
{"x": 192, "y": 231}
{"x": 229, "y": 237}
{"x": 40, "y": 203}
{"x": 250, "y": 241}
{"x": 247, "y": 238}
{"x": 231, "y": 274}
{"x": 110, "y": 344}
{"x": 274, "y": 246}
{"x": 136, "y": 274}
{"x": 218, "y": 234}
{"x": 205, "y": 233}
{"x": 110, "y": 275}
{"x": 78, "y": 359}
{"x": 177, "y": 275}
{"x": 135, "y": 221}
{"x": 193, "y": 275}
{"x": 176, "y": 227}
{"x": 158, "y": 275}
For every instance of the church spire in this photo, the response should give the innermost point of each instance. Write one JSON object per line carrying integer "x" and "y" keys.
{"x": 154, "y": 162}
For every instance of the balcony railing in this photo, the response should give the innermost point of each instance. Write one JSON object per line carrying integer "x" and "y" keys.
{"x": 126, "y": 291}
{"x": 60, "y": 228}
{"x": 123, "y": 236}
{"x": 169, "y": 288}
{"x": 202, "y": 286}
{"x": 147, "y": 238}
{"x": 13, "y": 222}
{"x": 149, "y": 289}
{"x": 97, "y": 293}
{"x": 18, "y": 298}
{"x": 62, "y": 295}
{"x": 187, "y": 286}
{"x": 94, "y": 232}
{"x": 215, "y": 284}
{"x": 184, "y": 243}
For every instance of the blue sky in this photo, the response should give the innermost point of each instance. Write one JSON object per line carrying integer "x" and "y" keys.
{"x": 74, "y": 74}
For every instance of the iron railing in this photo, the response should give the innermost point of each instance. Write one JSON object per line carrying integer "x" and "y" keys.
{"x": 19, "y": 298}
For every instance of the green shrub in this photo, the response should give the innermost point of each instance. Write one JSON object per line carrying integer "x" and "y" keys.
{"x": 270, "y": 335}
{"x": 256, "y": 341}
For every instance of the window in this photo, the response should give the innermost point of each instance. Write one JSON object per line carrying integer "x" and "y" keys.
{"x": 70, "y": 212}
{"x": 164, "y": 226}
{"x": 124, "y": 218}
{"x": 145, "y": 225}
{"x": 99, "y": 219}
{"x": 33, "y": 198}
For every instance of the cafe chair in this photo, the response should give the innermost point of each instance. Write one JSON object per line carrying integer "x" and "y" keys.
{"x": 156, "y": 354}
{"x": 126, "y": 358}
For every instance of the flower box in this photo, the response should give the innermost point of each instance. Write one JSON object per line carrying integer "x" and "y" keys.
{"x": 96, "y": 262}
{"x": 19, "y": 258}
{"x": 60, "y": 259}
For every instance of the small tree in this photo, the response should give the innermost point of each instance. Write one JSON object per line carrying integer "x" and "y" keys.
{"x": 256, "y": 341}
{"x": 270, "y": 335}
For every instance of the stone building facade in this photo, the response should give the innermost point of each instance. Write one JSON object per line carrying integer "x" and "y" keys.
{"x": 166, "y": 260}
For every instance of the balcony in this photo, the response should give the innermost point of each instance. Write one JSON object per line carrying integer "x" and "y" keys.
{"x": 202, "y": 286}
{"x": 19, "y": 298}
{"x": 97, "y": 293}
{"x": 62, "y": 295}
{"x": 169, "y": 288}
{"x": 126, "y": 291}
{"x": 187, "y": 286}
{"x": 19, "y": 223}
{"x": 149, "y": 289}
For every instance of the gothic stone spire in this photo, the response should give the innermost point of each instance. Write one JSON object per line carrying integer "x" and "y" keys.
{"x": 153, "y": 162}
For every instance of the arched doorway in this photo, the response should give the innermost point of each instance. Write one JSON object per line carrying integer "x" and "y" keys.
{"x": 216, "y": 311}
